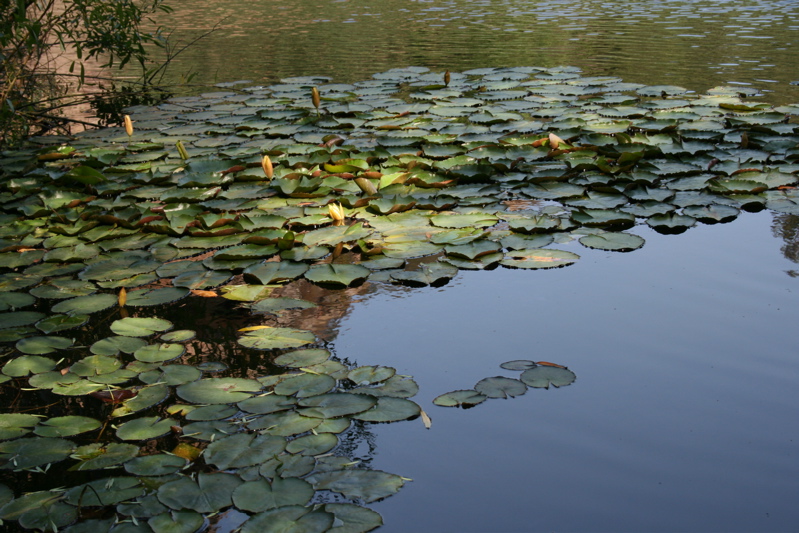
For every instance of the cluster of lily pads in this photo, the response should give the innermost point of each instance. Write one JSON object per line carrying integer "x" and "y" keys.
{"x": 535, "y": 374}
{"x": 264, "y": 446}
{"x": 404, "y": 178}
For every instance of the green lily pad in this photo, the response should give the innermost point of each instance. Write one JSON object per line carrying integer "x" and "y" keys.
{"x": 145, "y": 428}
{"x": 616, "y": 242}
{"x": 181, "y": 335}
{"x": 155, "y": 465}
{"x": 140, "y": 327}
{"x": 538, "y": 258}
{"x": 428, "y": 274}
{"x": 207, "y": 494}
{"x": 541, "y": 377}
{"x": 10, "y": 301}
{"x": 389, "y": 410}
{"x": 66, "y": 426}
{"x": 313, "y": 445}
{"x": 304, "y": 385}
{"x": 56, "y": 323}
{"x": 85, "y": 305}
{"x": 17, "y": 319}
{"x": 13, "y": 425}
{"x": 261, "y": 495}
{"x": 354, "y": 518}
{"x": 276, "y": 305}
{"x": 40, "y": 511}
{"x": 144, "y": 399}
{"x": 500, "y": 387}
{"x": 284, "y": 423}
{"x": 367, "y": 485}
{"x": 460, "y": 398}
{"x": 156, "y": 296}
{"x": 43, "y": 345}
{"x": 30, "y": 452}
{"x": 176, "y": 522}
{"x": 289, "y": 518}
{"x": 218, "y": 390}
{"x": 243, "y": 449}
{"x": 336, "y": 404}
{"x": 102, "y": 492}
{"x": 370, "y": 375}
{"x": 270, "y": 338}
{"x": 159, "y": 353}
{"x": 341, "y": 275}
{"x": 301, "y": 358}
{"x": 27, "y": 365}
{"x": 115, "y": 345}
{"x": 97, "y": 456}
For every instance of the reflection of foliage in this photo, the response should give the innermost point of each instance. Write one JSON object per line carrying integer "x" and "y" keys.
{"x": 786, "y": 227}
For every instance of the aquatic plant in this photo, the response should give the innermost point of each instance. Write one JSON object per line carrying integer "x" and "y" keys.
{"x": 237, "y": 192}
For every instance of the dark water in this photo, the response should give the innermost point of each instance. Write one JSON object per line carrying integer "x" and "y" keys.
{"x": 684, "y": 413}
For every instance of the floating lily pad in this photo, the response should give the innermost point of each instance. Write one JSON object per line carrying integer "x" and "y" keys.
{"x": 368, "y": 485}
{"x": 334, "y": 405}
{"x": 460, "y": 398}
{"x": 269, "y": 338}
{"x": 390, "y": 410}
{"x": 145, "y": 428}
{"x": 66, "y": 426}
{"x": 98, "y": 456}
{"x": 43, "y": 345}
{"x": 337, "y": 275}
{"x": 207, "y": 494}
{"x": 30, "y": 452}
{"x": 159, "y": 353}
{"x": 616, "y": 242}
{"x": 218, "y": 390}
{"x": 242, "y": 449}
{"x": 140, "y": 327}
{"x": 155, "y": 465}
{"x": 288, "y": 518}
{"x": 13, "y": 425}
{"x": 301, "y": 358}
{"x": 539, "y": 258}
{"x": 261, "y": 495}
{"x": 500, "y": 387}
{"x": 541, "y": 377}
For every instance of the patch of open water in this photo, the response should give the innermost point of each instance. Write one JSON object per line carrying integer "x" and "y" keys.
{"x": 682, "y": 417}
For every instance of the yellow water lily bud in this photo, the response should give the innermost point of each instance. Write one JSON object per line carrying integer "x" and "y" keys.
{"x": 336, "y": 211}
{"x": 446, "y": 78}
{"x": 128, "y": 125}
{"x": 315, "y": 98}
{"x": 266, "y": 164}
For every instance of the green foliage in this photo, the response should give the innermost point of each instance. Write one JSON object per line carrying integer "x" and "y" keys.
{"x": 46, "y": 48}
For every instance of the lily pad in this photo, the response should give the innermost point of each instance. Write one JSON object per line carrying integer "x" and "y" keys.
{"x": 30, "y": 452}
{"x": 542, "y": 376}
{"x": 500, "y": 387}
{"x": 367, "y": 485}
{"x": 261, "y": 495}
{"x": 66, "y": 426}
{"x": 218, "y": 390}
{"x": 460, "y": 398}
{"x": 207, "y": 494}
{"x": 140, "y": 327}
{"x": 269, "y": 338}
{"x": 145, "y": 428}
{"x": 616, "y": 242}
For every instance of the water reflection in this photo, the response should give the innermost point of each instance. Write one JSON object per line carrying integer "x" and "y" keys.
{"x": 694, "y": 44}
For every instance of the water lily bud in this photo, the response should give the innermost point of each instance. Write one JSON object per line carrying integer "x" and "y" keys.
{"x": 446, "y": 78}
{"x": 266, "y": 164}
{"x": 128, "y": 125}
{"x": 184, "y": 155}
{"x": 315, "y": 97}
{"x": 336, "y": 211}
{"x": 366, "y": 186}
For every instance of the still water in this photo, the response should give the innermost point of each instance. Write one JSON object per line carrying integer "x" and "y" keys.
{"x": 684, "y": 413}
{"x": 694, "y": 44}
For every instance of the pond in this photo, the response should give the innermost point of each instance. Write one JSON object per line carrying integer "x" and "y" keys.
{"x": 682, "y": 414}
